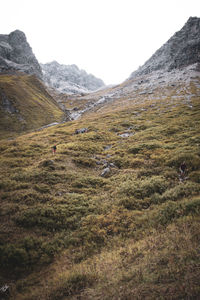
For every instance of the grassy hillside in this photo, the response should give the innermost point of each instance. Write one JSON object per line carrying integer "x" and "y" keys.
{"x": 25, "y": 105}
{"x": 69, "y": 233}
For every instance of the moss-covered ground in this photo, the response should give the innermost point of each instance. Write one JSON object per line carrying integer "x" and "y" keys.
{"x": 69, "y": 233}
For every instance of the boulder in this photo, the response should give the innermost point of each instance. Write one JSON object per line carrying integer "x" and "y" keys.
{"x": 105, "y": 172}
{"x": 81, "y": 130}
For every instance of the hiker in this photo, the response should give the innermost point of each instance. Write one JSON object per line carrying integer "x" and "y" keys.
{"x": 54, "y": 149}
{"x": 182, "y": 169}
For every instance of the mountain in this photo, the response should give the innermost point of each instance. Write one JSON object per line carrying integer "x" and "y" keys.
{"x": 171, "y": 67}
{"x": 16, "y": 54}
{"x": 69, "y": 79}
{"x": 25, "y": 103}
{"x": 181, "y": 50}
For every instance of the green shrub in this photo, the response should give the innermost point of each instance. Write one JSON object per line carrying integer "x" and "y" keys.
{"x": 169, "y": 173}
{"x": 144, "y": 188}
{"x": 29, "y": 197}
{"x": 120, "y": 162}
{"x": 8, "y": 185}
{"x": 52, "y": 217}
{"x": 48, "y": 164}
{"x": 27, "y": 253}
{"x": 168, "y": 212}
{"x": 42, "y": 188}
{"x": 135, "y": 149}
{"x": 89, "y": 181}
{"x": 149, "y": 171}
{"x": 13, "y": 256}
{"x": 192, "y": 161}
{"x": 47, "y": 177}
{"x": 192, "y": 207}
{"x": 137, "y": 163}
{"x": 179, "y": 191}
{"x": 144, "y": 146}
{"x": 84, "y": 146}
{"x": 135, "y": 204}
{"x": 174, "y": 210}
{"x": 85, "y": 162}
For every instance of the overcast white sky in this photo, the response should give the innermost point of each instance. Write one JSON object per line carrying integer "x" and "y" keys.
{"x": 108, "y": 38}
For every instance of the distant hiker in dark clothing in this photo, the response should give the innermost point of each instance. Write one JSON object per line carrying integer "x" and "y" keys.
{"x": 183, "y": 168}
{"x": 54, "y": 149}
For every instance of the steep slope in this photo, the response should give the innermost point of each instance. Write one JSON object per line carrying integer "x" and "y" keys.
{"x": 181, "y": 50}
{"x": 69, "y": 79}
{"x": 25, "y": 105}
{"x": 16, "y": 54}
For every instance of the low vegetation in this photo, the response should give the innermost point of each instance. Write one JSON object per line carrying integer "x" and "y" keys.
{"x": 23, "y": 101}
{"x": 67, "y": 232}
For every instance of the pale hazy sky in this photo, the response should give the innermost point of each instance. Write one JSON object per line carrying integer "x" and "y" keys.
{"x": 108, "y": 38}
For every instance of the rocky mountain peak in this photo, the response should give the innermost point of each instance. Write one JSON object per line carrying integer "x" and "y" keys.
{"x": 17, "y": 37}
{"x": 181, "y": 50}
{"x": 69, "y": 78}
{"x": 16, "y": 54}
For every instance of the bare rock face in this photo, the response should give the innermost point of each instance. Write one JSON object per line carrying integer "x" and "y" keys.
{"x": 181, "y": 50}
{"x": 16, "y": 54}
{"x": 69, "y": 78}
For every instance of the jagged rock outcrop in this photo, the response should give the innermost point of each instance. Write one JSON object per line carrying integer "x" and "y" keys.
{"x": 69, "y": 78}
{"x": 181, "y": 50}
{"x": 16, "y": 54}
